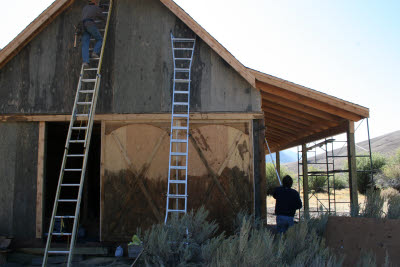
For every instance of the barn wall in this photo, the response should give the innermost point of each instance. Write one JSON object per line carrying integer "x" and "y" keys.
{"x": 137, "y": 71}
{"x": 18, "y": 153}
{"x": 134, "y": 180}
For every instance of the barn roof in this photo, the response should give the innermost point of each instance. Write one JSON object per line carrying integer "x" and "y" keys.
{"x": 293, "y": 114}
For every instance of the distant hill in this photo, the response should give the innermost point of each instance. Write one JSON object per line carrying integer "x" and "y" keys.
{"x": 286, "y": 156}
{"x": 387, "y": 145}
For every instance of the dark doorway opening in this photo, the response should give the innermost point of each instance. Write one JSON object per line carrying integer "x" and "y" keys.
{"x": 89, "y": 222}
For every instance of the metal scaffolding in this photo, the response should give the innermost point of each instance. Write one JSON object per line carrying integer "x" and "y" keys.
{"x": 326, "y": 159}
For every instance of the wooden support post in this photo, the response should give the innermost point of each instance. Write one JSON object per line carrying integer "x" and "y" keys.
{"x": 305, "y": 179}
{"x": 351, "y": 157}
{"x": 278, "y": 163}
{"x": 40, "y": 179}
{"x": 259, "y": 181}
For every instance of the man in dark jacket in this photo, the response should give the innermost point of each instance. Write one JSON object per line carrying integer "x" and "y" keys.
{"x": 287, "y": 202}
{"x": 90, "y": 13}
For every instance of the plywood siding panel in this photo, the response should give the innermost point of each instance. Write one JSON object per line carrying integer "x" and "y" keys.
{"x": 128, "y": 204}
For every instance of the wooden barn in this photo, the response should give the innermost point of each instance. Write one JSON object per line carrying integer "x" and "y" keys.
{"x": 232, "y": 109}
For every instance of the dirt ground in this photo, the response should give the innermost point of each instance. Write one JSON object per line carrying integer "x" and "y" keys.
{"x": 351, "y": 236}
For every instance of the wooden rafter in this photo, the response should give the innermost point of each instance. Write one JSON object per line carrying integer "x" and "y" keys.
{"x": 310, "y": 93}
{"x": 271, "y": 89}
{"x": 269, "y": 112}
{"x": 278, "y": 118}
{"x": 306, "y": 138}
{"x": 295, "y": 112}
{"x": 300, "y": 107}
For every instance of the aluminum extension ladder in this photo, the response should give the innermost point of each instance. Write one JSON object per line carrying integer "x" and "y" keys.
{"x": 182, "y": 53}
{"x": 72, "y": 174}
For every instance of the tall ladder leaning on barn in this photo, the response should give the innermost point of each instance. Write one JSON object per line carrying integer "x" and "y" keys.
{"x": 182, "y": 53}
{"x": 72, "y": 174}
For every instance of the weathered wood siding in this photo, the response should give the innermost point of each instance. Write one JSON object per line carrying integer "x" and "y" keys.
{"x": 137, "y": 73}
{"x": 18, "y": 154}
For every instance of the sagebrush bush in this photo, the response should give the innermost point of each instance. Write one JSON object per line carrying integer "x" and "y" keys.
{"x": 373, "y": 204}
{"x": 364, "y": 179}
{"x": 179, "y": 243}
{"x": 391, "y": 172}
{"x": 393, "y": 207}
{"x": 272, "y": 178}
{"x": 252, "y": 245}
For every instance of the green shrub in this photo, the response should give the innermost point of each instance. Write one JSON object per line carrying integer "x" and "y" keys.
{"x": 317, "y": 182}
{"x": 272, "y": 179}
{"x": 340, "y": 182}
{"x": 364, "y": 180}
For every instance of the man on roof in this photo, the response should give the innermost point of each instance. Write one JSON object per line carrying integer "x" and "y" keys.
{"x": 90, "y": 13}
{"x": 287, "y": 202}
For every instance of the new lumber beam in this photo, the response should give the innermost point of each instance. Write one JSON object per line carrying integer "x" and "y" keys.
{"x": 300, "y": 107}
{"x": 317, "y": 104}
{"x": 310, "y": 93}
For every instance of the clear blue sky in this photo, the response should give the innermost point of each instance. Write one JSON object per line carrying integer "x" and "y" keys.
{"x": 348, "y": 49}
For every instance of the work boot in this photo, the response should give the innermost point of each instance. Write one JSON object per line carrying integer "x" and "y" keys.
{"x": 95, "y": 55}
{"x": 85, "y": 65}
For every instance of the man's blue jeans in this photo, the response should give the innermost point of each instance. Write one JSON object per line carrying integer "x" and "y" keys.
{"x": 94, "y": 32}
{"x": 283, "y": 223}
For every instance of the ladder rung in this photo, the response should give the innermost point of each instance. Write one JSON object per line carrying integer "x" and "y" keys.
{"x": 91, "y": 69}
{"x": 177, "y": 181}
{"x": 86, "y": 91}
{"x": 176, "y": 196}
{"x": 182, "y": 48}
{"x": 181, "y": 211}
{"x": 75, "y": 155}
{"x": 58, "y": 251}
{"x": 88, "y": 80}
{"x": 79, "y": 128}
{"x": 183, "y": 58}
{"x": 182, "y": 70}
{"x": 181, "y": 115}
{"x": 64, "y": 217}
{"x": 84, "y": 103}
{"x": 179, "y": 128}
{"x": 82, "y": 115}
{"x": 72, "y": 170}
{"x": 105, "y": 12}
{"x": 181, "y": 92}
{"x": 67, "y": 200}
{"x": 178, "y": 154}
{"x": 182, "y": 80}
{"x": 178, "y": 141}
{"x": 70, "y": 184}
{"x": 77, "y": 141}
{"x": 183, "y": 39}
{"x": 181, "y": 103}
{"x": 178, "y": 167}
{"x": 61, "y": 234}
{"x": 94, "y": 58}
